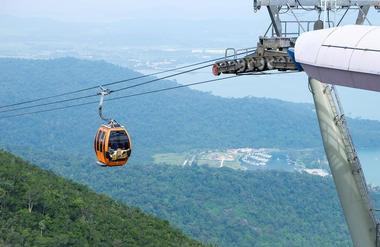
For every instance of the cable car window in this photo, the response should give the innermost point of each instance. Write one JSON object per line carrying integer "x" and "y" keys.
{"x": 118, "y": 139}
{"x": 100, "y": 134}
{"x": 97, "y": 141}
{"x": 101, "y": 141}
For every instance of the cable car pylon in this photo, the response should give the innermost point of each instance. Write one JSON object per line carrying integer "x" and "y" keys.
{"x": 276, "y": 52}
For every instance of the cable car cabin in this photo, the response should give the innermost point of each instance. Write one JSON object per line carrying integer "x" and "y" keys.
{"x": 112, "y": 145}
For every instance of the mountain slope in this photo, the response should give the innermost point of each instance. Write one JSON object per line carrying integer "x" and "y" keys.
{"x": 192, "y": 198}
{"x": 224, "y": 206}
{"x": 166, "y": 122}
{"x": 233, "y": 208}
{"x": 38, "y": 208}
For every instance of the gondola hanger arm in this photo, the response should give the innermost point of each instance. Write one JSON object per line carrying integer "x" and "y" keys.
{"x": 103, "y": 92}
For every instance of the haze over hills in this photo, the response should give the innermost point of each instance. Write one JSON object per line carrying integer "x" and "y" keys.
{"x": 127, "y": 32}
{"x": 148, "y": 43}
{"x": 177, "y": 120}
{"x": 193, "y": 198}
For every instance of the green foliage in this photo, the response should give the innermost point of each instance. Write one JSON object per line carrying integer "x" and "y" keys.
{"x": 232, "y": 208}
{"x": 37, "y": 208}
{"x": 221, "y": 206}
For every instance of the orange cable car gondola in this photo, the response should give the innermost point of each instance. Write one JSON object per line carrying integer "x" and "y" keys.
{"x": 112, "y": 142}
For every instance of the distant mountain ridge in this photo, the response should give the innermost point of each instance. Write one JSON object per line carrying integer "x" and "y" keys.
{"x": 170, "y": 121}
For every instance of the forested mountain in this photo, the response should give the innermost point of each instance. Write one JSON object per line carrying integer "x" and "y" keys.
{"x": 230, "y": 208}
{"x": 38, "y": 208}
{"x": 166, "y": 122}
{"x": 224, "y": 206}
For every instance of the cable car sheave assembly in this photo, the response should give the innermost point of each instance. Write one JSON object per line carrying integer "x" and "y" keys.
{"x": 272, "y": 51}
{"x": 112, "y": 142}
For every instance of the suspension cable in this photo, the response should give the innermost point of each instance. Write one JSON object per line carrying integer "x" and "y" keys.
{"x": 162, "y": 78}
{"x": 95, "y": 95}
{"x": 344, "y": 15}
{"x": 125, "y": 80}
{"x": 117, "y": 98}
{"x": 49, "y": 103}
{"x": 140, "y": 94}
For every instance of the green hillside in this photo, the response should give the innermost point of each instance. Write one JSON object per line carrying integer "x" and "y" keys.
{"x": 38, "y": 208}
{"x": 230, "y": 208}
{"x": 223, "y": 206}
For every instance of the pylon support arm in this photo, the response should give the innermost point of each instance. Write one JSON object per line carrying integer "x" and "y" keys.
{"x": 275, "y": 18}
{"x": 345, "y": 167}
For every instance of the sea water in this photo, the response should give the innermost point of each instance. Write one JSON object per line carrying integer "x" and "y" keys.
{"x": 370, "y": 160}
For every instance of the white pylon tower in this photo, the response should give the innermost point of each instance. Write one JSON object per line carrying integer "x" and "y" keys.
{"x": 272, "y": 54}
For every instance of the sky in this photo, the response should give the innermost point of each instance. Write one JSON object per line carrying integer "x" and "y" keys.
{"x": 111, "y": 10}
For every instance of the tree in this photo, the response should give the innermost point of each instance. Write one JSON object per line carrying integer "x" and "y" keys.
{"x": 32, "y": 196}
{"x": 42, "y": 226}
